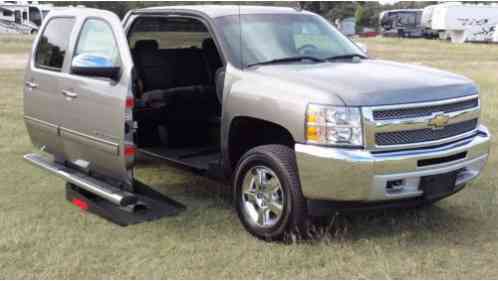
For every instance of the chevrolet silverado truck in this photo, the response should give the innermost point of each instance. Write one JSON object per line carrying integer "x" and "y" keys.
{"x": 277, "y": 102}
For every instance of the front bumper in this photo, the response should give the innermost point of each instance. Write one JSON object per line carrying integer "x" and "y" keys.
{"x": 339, "y": 174}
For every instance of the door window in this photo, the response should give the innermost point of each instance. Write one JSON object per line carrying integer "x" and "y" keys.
{"x": 169, "y": 33}
{"x": 7, "y": 13}
{"x": 53, "y": 44}
{"x": 96, "y": 38}
{"x": 17, "y": 16}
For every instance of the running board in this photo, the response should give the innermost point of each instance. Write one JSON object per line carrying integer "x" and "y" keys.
{"x": 104, "y": 190}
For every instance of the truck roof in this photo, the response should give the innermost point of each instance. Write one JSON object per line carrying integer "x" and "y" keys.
{"x": 215, "y": 11}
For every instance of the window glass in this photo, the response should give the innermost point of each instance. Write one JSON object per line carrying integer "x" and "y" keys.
{"x": 96, "y": 38}
{"x": 7, "y": 13}
{"x": 169, "y": 33}
{"x": 35, "y": 16}
{"x": 17, "y": 16}
{"x": 53, "y": 44}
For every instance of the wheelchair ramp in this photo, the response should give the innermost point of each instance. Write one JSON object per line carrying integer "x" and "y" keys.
{"x": 151, "y": 205}
{"x": 110, "y": 202}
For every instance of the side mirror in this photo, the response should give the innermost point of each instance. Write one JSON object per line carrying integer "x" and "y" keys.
{"x": 363, "y": 47}
{"x": 94, "y": 66}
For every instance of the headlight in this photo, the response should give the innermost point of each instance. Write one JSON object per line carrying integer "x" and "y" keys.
{"x": 334, "y": 125}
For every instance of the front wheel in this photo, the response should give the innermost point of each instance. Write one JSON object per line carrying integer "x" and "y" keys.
{"x": 268, "y": 195}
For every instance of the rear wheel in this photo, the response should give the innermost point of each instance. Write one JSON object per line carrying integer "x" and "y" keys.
{"x": 268, "y": 194}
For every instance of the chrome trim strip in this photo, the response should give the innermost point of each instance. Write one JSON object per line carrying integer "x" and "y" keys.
{"x": 421, "y": 122}
{"x": 371, "y": 126}
{"x": 41, "y": 125}
{"x": 104, "y": 145}
{"x": 425, "y": 104}
{"x": 40, "y": 122}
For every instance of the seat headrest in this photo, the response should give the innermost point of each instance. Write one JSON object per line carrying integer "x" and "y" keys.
{"x": 147, "y": 45}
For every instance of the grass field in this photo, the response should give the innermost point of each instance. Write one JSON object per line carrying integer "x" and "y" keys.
{"x": 43, "y": 236}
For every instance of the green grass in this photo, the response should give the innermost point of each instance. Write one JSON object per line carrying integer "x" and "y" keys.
{"x": 14, "y": 43}
{"x": 43, "y": 236}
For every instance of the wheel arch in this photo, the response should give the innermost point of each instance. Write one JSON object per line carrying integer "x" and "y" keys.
{"x": 247, "y": 132}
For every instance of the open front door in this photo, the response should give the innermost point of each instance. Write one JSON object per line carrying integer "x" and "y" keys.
{"x": 97, "y": 99}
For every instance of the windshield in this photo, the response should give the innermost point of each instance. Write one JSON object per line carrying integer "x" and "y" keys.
{"x": 268, "y": 37}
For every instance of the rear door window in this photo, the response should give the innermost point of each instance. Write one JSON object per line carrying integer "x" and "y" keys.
{"x": 53, "y": 44}
{"x": 96, "y": 38}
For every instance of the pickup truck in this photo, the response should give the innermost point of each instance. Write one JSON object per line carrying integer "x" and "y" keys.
{"x": 277, "y": 102}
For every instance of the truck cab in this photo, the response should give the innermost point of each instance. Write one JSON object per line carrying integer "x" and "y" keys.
{"x": 303, "y": 124}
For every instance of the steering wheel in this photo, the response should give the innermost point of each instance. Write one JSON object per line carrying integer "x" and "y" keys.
{"x": 307, "y": 49}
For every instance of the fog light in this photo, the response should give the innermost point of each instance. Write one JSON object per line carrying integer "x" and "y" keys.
{"x": 395, "y": 186}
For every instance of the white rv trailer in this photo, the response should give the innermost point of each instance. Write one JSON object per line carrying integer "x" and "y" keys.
{"x": 495, "y": 35}
{"x": 466, "y": 22}
{"x": 22, "y": 16}
{"x": 348, "y": 26}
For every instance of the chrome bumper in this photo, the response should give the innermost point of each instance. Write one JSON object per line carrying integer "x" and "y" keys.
{"x": 359, "y": 175}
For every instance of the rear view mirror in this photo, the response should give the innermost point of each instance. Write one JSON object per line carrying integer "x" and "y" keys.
{"x": 94, "y": 66}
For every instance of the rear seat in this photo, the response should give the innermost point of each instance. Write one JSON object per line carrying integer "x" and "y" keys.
{"x": 181, "y": 75}
{"x": 172, "y": 68}
{"x": 154, "y": 69}
{"x": 189, "y": 65}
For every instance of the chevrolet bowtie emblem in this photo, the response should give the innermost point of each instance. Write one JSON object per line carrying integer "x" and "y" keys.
{"x": 439, "y": 121}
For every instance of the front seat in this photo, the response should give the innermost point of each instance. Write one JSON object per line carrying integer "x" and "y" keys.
{"x": 214, "y": 66}
{"x": 212, "y": 58}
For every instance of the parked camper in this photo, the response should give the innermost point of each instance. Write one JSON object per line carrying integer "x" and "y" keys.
{"x": 495, "y": 35}
{"x": 466, "y": 23}
{"x": 427, "y": 19}
{"x": 22, "y": 17}
{"x": 347, "y": 26}
{"x": 402, "y": 23}
{"x": 426, "y": 22}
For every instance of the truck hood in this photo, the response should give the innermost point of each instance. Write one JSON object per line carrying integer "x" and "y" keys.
{"x": 374, "y": 82}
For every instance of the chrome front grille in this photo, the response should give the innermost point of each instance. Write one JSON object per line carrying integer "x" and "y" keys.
{"x": 413, "y": 112}
{"x": 424, "y": 135}
{"x": 417, "y": 125}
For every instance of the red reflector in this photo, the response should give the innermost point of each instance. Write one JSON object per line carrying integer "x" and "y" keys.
{"x": 129, "y": 150}
{"x": 80, "y": 203}
{"x": 130, "y": 102}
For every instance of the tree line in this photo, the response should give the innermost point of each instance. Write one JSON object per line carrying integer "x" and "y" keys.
{"x": 365, "y": 12}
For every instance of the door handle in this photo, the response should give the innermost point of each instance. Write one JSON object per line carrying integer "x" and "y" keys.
{"x": 31, "y": 85}
{"x": 70, "y": 94}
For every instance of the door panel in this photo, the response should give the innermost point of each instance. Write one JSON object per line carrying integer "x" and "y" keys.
{"x": 41, "y": 90}
{"x": 94, "y": 108}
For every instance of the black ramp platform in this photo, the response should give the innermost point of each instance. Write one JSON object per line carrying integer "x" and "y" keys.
{"x": 151, "y": 206}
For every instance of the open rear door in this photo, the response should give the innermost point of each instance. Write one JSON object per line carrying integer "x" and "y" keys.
{"x": 87, "y": 111}
{"x": 96, "y": 116}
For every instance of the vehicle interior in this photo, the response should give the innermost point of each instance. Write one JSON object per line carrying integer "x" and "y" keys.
{"x": 178, "y": 90}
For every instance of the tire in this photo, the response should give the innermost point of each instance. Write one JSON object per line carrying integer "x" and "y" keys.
{"x": 273, "y": 162}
